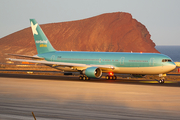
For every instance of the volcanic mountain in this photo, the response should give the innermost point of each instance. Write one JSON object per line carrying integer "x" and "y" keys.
{"x": 110, "y": 32}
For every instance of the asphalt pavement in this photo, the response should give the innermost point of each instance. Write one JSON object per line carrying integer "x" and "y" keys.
{"x": 68, "y": 98}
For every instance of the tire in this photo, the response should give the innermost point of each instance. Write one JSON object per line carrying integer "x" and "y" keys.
{"x": 107, "y": 77}
{"x": 161, "y": 81}
{"x": 80, "y": 77}
{"x": 114, "y": 77}
{"x": 87, "y": 78}
{"x": 84, "y": 77}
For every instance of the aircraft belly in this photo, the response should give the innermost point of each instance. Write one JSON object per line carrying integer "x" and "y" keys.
{"x": 72, "y": 69}
{"x": 68, "y": 69}
{"x": 143, "y": 70}
{"x": 128, "y": 70}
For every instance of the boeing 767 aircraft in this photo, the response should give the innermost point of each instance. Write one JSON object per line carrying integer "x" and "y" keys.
{"x": 93, "y": 64}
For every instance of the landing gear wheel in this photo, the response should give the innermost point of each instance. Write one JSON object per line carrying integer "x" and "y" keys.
{"x": 114, "y": 77}
{"x": 107, "y": 77}
{"x": 87, "y": 78}
{"x": 161, "y": 81}
{"x": 84, "y": 78}
{"x": 111, "y": 77}
{"x": 80, "y": 77}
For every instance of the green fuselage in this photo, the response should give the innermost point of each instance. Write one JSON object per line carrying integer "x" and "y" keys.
{"x": 117, "y": 59}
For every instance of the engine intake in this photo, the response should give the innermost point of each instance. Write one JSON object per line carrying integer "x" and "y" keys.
{"x": 93, "y": 72}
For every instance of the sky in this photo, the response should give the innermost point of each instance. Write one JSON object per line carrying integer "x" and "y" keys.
{"x": 161, "y": 17}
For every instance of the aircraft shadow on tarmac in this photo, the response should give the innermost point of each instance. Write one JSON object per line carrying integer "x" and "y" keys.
{"x": 102, "y": 80}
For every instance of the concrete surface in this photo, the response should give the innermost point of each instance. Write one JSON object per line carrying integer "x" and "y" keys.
{"x": 67, "y": 98}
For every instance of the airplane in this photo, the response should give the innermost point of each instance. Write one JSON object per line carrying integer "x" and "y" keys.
{"x": 93, "y": 64}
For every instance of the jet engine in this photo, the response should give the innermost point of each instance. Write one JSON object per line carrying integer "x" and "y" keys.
{"x": 93, "y": 72}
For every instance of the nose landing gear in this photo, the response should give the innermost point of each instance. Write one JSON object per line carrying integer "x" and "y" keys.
{"x": 161, "y": 81}
{"x": 162, "y": 78}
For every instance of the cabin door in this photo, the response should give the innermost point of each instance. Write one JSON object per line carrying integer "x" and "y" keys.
{"x": 151, "y": 62}
{"x": 52, "y": 58}
{"x": 122, "y": 60}
{"x": 99, "y": 60}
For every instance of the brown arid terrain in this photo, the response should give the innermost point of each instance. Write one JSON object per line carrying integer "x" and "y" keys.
{"x": 113, "y": 32}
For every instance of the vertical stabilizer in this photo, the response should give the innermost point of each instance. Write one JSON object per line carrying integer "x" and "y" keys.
{"x": 42, "y": 43}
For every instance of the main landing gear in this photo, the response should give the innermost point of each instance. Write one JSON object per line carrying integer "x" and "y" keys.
{"x": 111, "y": 76}
{"x": 108, "y": 77}
{"x": 83, "y": 77}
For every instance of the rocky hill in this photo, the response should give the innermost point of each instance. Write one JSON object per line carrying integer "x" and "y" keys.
{"x": 117, "y": 32}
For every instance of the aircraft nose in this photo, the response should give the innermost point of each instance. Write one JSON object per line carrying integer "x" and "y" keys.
{"x": 172, "y": 66}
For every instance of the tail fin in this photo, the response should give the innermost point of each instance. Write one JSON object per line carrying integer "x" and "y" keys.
{"x": 42, "y": 43}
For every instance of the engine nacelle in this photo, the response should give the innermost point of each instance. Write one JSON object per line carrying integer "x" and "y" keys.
{"x": 93, "y": 72}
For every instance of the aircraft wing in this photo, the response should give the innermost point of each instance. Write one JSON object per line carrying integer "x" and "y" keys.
{"x": 26, "y": 56}
{"x": 64, "y": 64}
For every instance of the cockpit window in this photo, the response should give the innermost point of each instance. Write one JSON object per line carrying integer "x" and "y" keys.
{"x": 166, "y": 60}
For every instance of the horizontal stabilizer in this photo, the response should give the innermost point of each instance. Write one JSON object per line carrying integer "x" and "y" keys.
{"x": 26, "y": 56}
